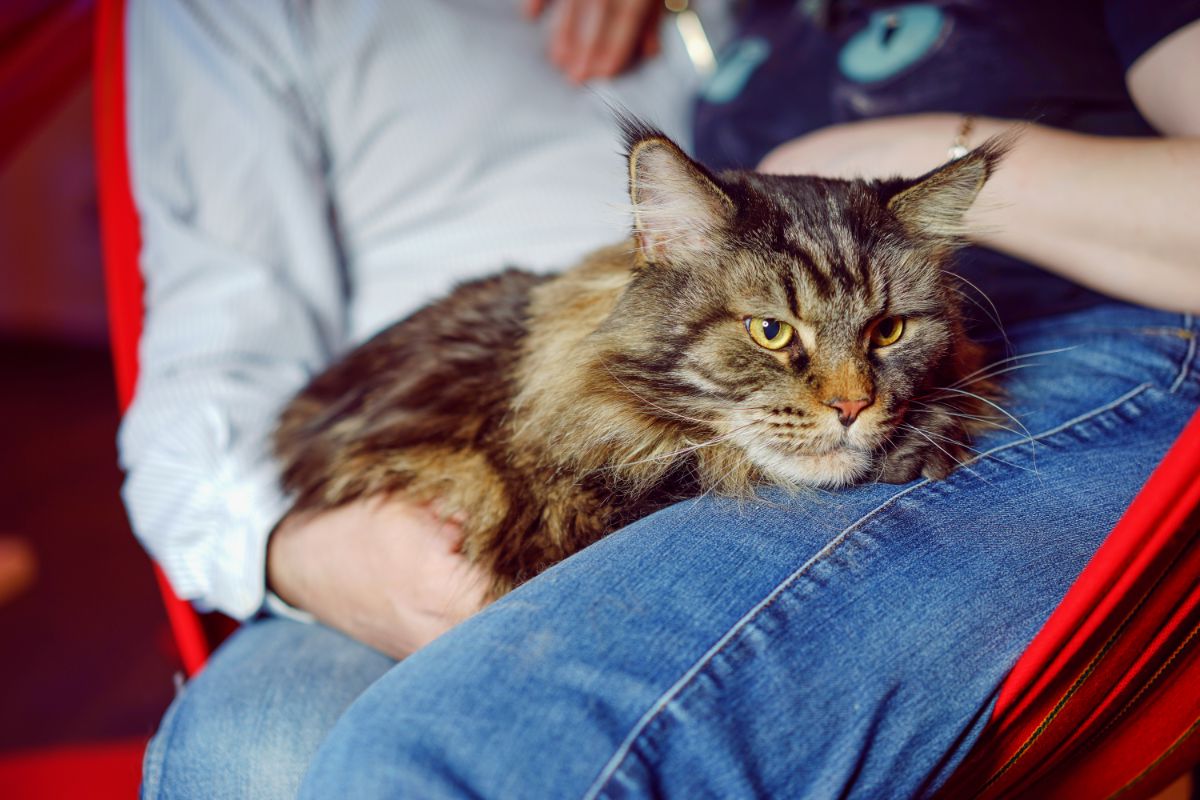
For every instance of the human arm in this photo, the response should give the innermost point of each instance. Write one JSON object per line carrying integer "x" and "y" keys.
{"x": 1115, "y": 214}
{"x": 242, "y": 292}
{"x": 244, "y": 300}
{"x": 389, "y": 574}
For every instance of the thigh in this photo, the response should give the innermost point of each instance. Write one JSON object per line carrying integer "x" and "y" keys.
{"x": 248, "y": 724}
{"x": 829, "y": 644}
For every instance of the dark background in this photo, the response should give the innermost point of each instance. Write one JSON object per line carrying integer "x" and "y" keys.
{"x": 87, "y": 655}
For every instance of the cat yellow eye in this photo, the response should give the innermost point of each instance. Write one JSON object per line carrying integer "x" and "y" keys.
{"x": 770, "y": 333}
{"x": 887, "y": 331}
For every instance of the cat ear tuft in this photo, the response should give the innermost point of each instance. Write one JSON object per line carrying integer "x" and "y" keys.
{"x": 935, "y": 204}
{"x": 678, "y": 208}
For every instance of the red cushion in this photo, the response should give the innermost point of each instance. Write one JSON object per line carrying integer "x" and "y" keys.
{"x": 95, "y": 771}
{"x": 121, "y": 239}
{"x": 1106, "y": 697}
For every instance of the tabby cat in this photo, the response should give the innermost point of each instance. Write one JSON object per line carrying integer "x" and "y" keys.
{"x": 791, "y": 331}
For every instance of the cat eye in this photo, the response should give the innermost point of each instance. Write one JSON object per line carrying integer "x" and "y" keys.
{"x": 770, "y": 333}
{"x": 887, "y": 331}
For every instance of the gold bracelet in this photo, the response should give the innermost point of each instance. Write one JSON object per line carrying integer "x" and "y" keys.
{"x": 960, "y": 147}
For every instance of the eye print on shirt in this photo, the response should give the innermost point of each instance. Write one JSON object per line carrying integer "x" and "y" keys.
{"x": 894, "y": 39}
{"x": 734, "y": 69}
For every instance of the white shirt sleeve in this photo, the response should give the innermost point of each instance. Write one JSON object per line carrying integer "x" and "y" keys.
{"x": 245, "y": 287}
{"x": 307, "y": 173}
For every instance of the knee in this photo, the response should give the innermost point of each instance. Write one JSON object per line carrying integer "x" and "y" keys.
{"x": 249, "y": 724}
{"x": 211, "y": 743}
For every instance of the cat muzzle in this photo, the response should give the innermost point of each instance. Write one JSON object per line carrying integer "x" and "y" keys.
{"x": 848, "y": 410}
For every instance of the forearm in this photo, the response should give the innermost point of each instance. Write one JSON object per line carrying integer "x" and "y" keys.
{"x": 1116, "y": 214}
{"x": 243, "y": 295}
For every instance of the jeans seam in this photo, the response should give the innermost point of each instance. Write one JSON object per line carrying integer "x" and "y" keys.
{"x": 613, "y": 765}
{"x": 1188, "y": 358}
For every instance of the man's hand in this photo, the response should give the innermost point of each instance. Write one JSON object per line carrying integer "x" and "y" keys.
{"x": 599, "y": 38}
{"x": 384, "y": 572}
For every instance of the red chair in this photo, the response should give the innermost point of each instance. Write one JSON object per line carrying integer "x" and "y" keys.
{"x": 43, "y": 59}
{"x": 1106, "y": 699}
{"x": 122, "y": 243}
{"x": 102, "y": 771}
{"x": 1104, "y": 702}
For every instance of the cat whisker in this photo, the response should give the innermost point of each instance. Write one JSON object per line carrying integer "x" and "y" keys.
{"x": 995, "y": 312}
{"x": 929, "y": 439}
{"x": 979, "y": 453}
{"x": 974, "y": 417}
{"x": 1033, "y": 456}
{"x": 655, "y": 406}
{"x": 888, "y": 443}
{"x": 689, "y": 449}
{"x": 986, "y": 312}
{"x": 990, "y": 375}
{"x": 996, "y": 406}
{"x": 1017, "y": 357}
{"x": 1028, "y": 436}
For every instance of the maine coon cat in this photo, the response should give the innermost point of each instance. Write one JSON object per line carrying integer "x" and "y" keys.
{"x": 791, "y": 331}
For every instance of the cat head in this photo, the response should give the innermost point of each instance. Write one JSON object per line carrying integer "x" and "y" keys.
{"x": 794, "y": 318}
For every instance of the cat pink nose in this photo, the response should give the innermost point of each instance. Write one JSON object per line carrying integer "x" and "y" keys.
{"x": 848, "y": 410}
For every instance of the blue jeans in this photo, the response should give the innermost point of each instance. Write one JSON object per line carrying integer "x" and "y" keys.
{"x": 844, "y": 644}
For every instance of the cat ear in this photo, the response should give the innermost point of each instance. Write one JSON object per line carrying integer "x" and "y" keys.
{"x": 934, "y": 205}
{"x": 678, "y": 208}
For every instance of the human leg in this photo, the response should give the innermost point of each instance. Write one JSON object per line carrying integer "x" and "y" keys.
{"x": 248, "y": 724}
{"x": 844, "y": 644}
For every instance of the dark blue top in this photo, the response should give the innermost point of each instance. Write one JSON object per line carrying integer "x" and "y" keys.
{"x": 798, "y": 66}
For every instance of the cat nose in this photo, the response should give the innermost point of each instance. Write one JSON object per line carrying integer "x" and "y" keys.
{"x": 848, "y": 410}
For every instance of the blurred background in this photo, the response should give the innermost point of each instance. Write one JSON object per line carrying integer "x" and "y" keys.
{"x": 89, "y": 661}
{"x": 88, "y": 657}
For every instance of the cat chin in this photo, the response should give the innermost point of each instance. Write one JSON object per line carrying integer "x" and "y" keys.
{"x": 831, "y": 469}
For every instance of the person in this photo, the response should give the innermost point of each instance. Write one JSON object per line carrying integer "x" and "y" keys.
{"x": 845, "y": 643}
{"x": 304, "y": 176}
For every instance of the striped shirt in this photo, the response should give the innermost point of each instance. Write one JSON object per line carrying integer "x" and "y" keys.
{"x": 306, "y": 173}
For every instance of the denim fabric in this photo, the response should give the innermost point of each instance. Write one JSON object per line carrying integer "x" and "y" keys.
{"x": 248, "y": 724}
{"x": 832, "y": 644}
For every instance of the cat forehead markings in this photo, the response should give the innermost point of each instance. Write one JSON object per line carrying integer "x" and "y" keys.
{"x": 831, "y": 269}
{"x": 819, "y": 278}
{"x": 774, "y": 293}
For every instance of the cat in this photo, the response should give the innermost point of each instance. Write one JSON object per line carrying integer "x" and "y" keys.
{"x": 755, "y": 330}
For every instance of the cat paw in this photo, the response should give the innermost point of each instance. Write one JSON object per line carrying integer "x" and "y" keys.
{"x": 900, "y": 468}
{"x": 918, "y": 457}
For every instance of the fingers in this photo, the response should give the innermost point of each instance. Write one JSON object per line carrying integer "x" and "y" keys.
{"x": 564, "y": 33}
{"x": 448, "y": 590}
{"x": 599, "y": 38}
{"x": 651, "y": 44}
{"x": 533, "y": 9}
{"x": 611, "y": 39}
{"x": 389, "y": 573}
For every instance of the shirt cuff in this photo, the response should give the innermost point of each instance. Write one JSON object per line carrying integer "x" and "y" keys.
{"x": 253, "y": 504}
{"x": 278, "y": 607}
